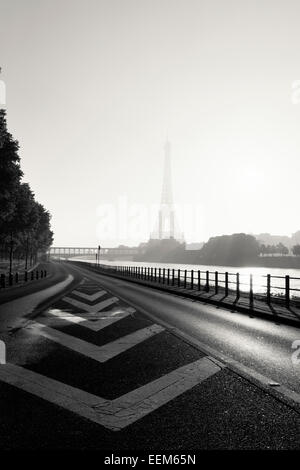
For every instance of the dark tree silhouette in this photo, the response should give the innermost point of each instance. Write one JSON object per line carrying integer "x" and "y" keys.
{"x": 236, "y": 249}
{"x": 24, "y": 223}
{"x": 296, "y": 250}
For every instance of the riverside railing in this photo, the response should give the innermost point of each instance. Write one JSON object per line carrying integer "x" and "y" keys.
{"x": 8, "y": 280}
{"x": 267, "y": 288}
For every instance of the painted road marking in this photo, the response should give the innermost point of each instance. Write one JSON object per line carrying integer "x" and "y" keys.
{"x": 90, "y": 297}
{"x": 112, "y": 414}
{"x": 98, "y": 353}
{"x": 91, "y": 308}
{"x": 98, "y": 325}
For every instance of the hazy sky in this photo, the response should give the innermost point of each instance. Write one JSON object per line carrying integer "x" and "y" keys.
{"x": 95, "y": 86}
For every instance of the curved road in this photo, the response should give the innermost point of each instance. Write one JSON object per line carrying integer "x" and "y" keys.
{"x": 260, "y": 345}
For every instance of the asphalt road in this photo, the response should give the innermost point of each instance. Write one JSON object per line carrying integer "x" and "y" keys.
{"x": 103, "y": 375}
{"x": 263, "y": 346}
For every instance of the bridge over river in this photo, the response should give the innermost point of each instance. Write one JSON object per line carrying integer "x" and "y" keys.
{"x": 120, "y": 253}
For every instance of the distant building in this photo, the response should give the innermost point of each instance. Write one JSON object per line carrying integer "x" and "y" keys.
{"x": 268, "y": 239}
{"x": 296, "y": 238}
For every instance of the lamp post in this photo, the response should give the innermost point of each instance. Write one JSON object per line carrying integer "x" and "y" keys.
{"x": 99, "y": 248}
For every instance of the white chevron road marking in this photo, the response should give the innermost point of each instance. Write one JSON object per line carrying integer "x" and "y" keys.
{"x": 91, "y": 308}
{"x": 98, "y": 353}
{"x": 86, "y": 323}
{"x": 90, "y": 297}
{"x": 113, "y": 414}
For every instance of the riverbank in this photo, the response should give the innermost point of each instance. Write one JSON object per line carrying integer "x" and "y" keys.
{"x": 192, "y": 258}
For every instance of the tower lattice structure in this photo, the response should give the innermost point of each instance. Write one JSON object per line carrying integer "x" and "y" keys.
{"x": 167, "y": 225}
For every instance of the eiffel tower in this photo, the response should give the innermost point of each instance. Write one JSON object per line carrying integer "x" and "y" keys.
{"x": 166, "y": 215}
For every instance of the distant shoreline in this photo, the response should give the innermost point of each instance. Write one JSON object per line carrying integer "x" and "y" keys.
{"x": 288, "y": 262}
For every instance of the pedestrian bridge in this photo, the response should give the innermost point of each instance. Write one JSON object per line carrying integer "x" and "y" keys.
{"x": 63, "y": 252}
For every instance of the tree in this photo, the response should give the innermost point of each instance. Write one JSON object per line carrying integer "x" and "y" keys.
{"x": 10, "y": 174}
{"x": 236, "y": 249}
{"x": 24, "y": 223}
{"x": 43, "y": 234}
{"x": 23, "y": 218}
{"x": 296, "y": 250}
{"x": 282, "y": 249}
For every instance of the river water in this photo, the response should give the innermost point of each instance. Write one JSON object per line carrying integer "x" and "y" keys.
{"x": 259, "y": 275}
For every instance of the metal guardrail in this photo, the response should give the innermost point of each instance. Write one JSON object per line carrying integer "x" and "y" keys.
{"x": 8, "y": 280}
{"x": 269, "y": 289}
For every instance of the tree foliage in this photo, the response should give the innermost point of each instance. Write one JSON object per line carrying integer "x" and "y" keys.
{"x": 279, "y": 249}
{"x": 24, "y": 223}
{"x": 296, "y": 250}
{"x": 236, "y": 249}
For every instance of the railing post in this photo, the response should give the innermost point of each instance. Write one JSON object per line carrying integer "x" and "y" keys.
{"x": 268, "y": 289}
{"x": 173, "y": 277}
{"x": 185, "y": 278}
{"x": 207, "y": 281}
{"x": 164, "y": 272}
{"x": 168, "y": 276}
{"x": 10, "y": 279}
{"x": 2, "y": 280}
{"x": 159, "y": 274}
{"x": 192, "y": 279}
{"x": 17, "y": 278}
{"x": 155, "y": 274}
{"x": 287, "y": 291}
{"x": 32, "y": 275}
{"x": 178, "y": 277}
{"x": 216, "y": 282}
{"x": 226, "y": 284}
{"x": 251, "y": 291}
{"x": 199, "y": 280}
{"x": 237, "y": 285}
